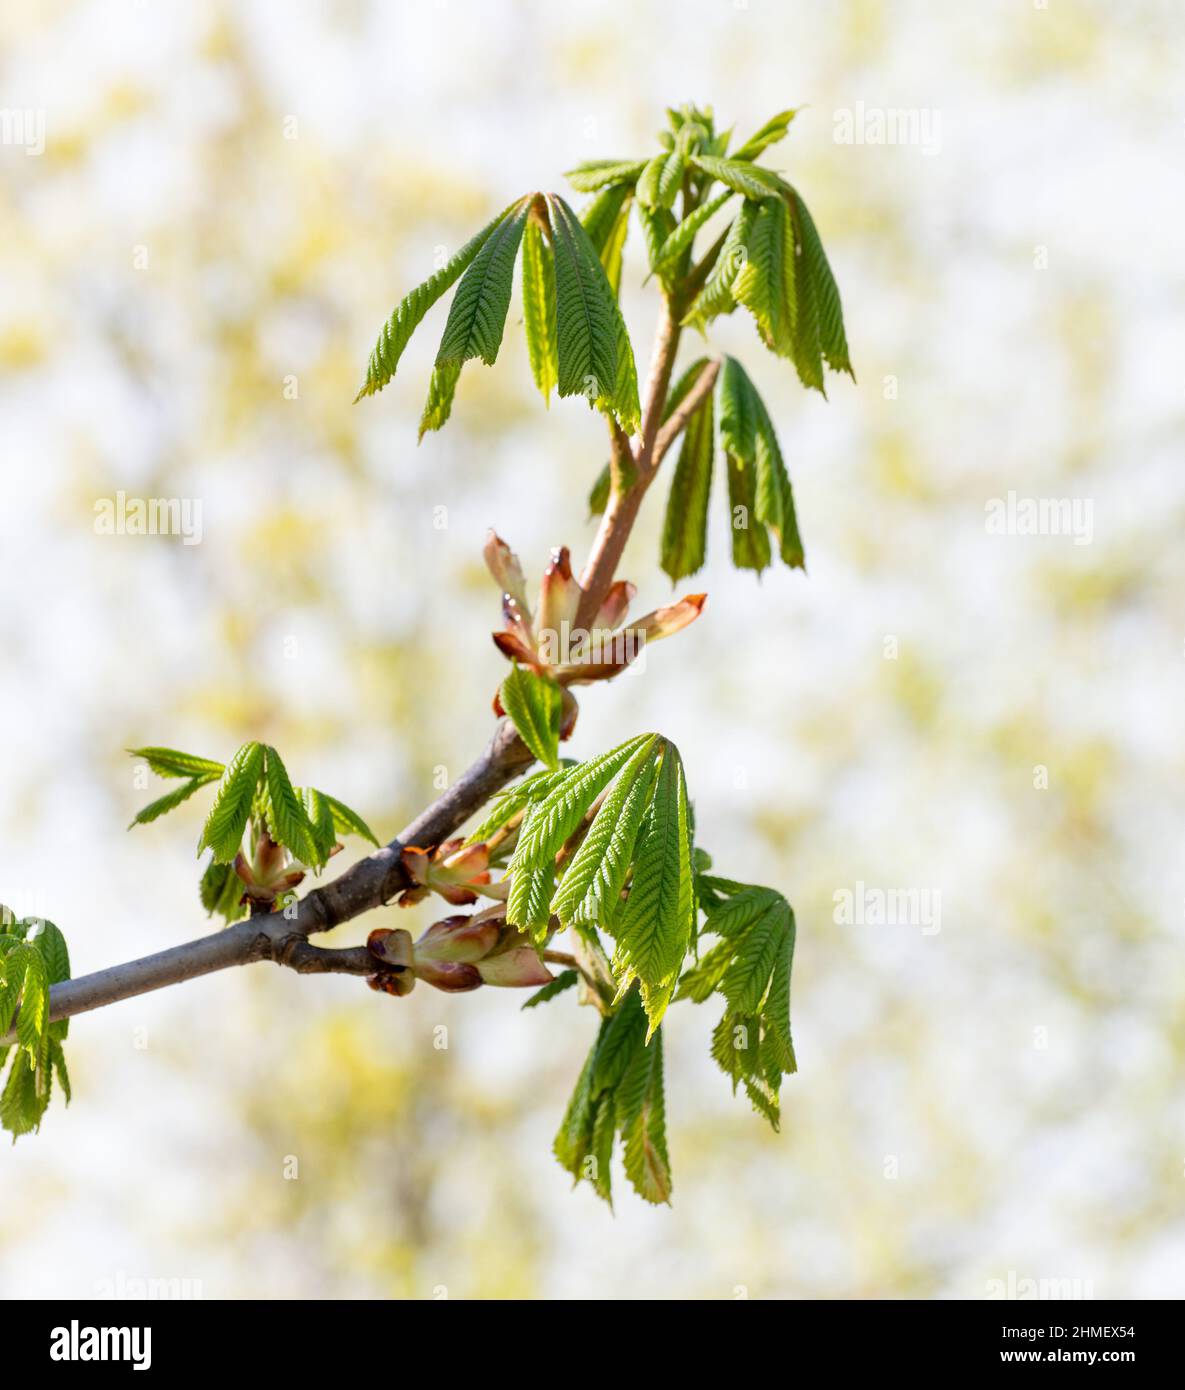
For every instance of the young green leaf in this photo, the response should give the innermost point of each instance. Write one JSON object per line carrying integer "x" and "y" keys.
{"x": 410, "y": 311}
{"x": 442, "y": 387}
{"x": 168, "y": 762}
{"x": 477, "y": 315}
{"x": 607, "y": 220}
{"x": 319, "y": 814}
{"x": 538, "y": 273}
{"x": 347, "y": 821}
{"x": 534, "y": 704}
{"x": 586, "y": 311}
{"x": 223, "y": 831}
{"x": 685, "y": 526}
{"x": 824, "y": 291}
{"x": 564, "y": 980}
{"x": 288, "y": 820}
{"x": 685, "y": 232}
{"x": 660, "y": 181}
{"x": 763, "y": 285}
{"x": 221, "y": 891}
{"x": 553, "y": 818}
{"x": 163, "y": 804}
{"x": 657, "y": 923}
{"x": 770, "y": 133}
{"x": 594, "y": 174}
{"x": 643, "y": 1124}
{"x": 716, "y": 297}
{"x": 590, "y": 890}
{"x": 750, "y": 541}
{"x": 741, "y": 176}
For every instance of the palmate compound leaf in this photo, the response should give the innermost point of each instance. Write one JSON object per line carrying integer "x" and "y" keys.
{"x": 477, "y": 315}
{"x": 593, "y": 350}
{"x": 619, "y": 1092}
{"x": 656, "y": 926}
{"x": 33, "y": 956}
{"x": 534, "y": 704}
{"x": 751, "y": 967}
{"x": 347, "y": 821}
{"x": 410, "y": 312}
{"x": 223, "y": 831}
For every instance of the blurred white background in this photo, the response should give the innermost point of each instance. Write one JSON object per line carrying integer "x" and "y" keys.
{"x": 231, "y": 196}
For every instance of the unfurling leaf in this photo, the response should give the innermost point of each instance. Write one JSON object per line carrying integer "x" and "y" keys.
{"x": 534, "y": 704}
{"x": 223, "y": 831}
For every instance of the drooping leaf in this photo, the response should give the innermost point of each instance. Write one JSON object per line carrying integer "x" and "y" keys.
{"x": 538, "y": 275}
{"x": 685, "y": 525}
{"x": 221, "y": 891}
{"x": 607, "y": 220}
{"x": 644, "y": 1132}
{"x": 750, "y": 540}
{"x": 223, "y": 831}
{"x": 656, "y": 925}
{"x": 410, "y": 311}
{"x": 442, "y": 387}
{"x": 825, "y": 293}
{"x": 534, "y": 704}
{"x": 763, "y": 285}
{"x": 586, "y": 311}
{"x": 477, "y": 315}
{"x": 716, "y": 298}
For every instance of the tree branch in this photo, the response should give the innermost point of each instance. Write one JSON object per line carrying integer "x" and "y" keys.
{"x": 370, "y": 883}
{"x": 282, "y": 936}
